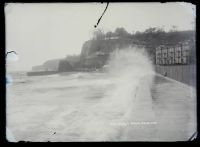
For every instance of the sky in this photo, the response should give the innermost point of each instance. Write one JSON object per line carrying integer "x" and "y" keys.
{"x": 40, "y": 32}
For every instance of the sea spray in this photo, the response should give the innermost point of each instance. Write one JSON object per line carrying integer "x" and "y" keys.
{"x": 93, "y": 106}
{"x": 126, "y": 68}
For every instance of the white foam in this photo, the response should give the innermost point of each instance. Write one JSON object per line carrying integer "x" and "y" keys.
{"x": 126, "y": 67}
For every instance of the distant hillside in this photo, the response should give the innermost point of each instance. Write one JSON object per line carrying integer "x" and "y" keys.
{"x": 72, "y": 59}
{"x": 50, "y": 65}
{"x": 95, "y": 52}
{"x": 62, "y": 65}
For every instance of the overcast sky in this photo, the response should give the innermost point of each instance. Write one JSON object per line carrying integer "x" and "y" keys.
{"x": 39, "y": 32}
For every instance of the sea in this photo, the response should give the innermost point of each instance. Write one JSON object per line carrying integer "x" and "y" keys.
{"x": 78, "y": 106}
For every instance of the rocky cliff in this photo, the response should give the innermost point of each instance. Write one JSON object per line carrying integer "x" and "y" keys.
{"x": 95, "y": 53}
{"x": 50, "y": 65}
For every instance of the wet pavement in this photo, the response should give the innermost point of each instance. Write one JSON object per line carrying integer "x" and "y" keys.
{"x": 174, "y": 105}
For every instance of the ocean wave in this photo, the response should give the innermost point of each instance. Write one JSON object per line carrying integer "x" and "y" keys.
{"x": 88, "y": 104}
{"x": 126, "y": 67}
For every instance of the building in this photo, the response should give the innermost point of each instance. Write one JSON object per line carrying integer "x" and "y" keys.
{"x": 178, "y": 54}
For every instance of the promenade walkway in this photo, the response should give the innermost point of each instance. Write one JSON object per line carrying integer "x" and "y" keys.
{"x": 174, "y": 105}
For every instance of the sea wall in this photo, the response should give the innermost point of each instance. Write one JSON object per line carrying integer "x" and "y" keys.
{"x": 182, "y": 73}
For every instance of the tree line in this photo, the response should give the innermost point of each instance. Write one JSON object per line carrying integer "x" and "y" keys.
{"x": 152, "y": 35}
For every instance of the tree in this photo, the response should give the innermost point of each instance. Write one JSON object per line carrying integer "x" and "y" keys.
{"x": 109, "y": 35}
{"x": 150, "y": 30}
{"x": 121, "y": 32}
{"x": 98, "y": 35}
{"x": 173, "y": 28}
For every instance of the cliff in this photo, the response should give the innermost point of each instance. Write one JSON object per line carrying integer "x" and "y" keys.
{"x": 50, "y": 65}
{"x": 95, "y": 53}
{"x": 65, "y": 66}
